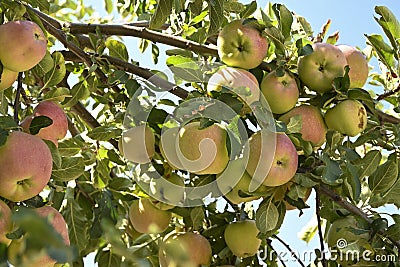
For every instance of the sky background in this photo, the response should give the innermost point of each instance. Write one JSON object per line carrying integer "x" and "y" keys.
{"x": 352, "y": 19}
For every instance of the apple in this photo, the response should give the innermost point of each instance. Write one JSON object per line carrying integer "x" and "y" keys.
{"x": 313, "y": 126}
{"x": 23, "y": 45}
{"x": 241, "y": 45}
{"x": 167, "y": 191}
{"x": 40, "y": 258}
{"x": 168, "y": 147}
{"x": 235, "y": 179}
{"x": 349, "y": 117}
{"x": 318, "y": 69}
{"x": 305, "y": 198}
{"x": 5, "y": 222}
{"x": 241, "y": 82}
{"x": 241, "y": 238}
{"x": 25, "y": 166}
{"x": 138, "y": 144}
{"x": 148, "y": 219}
{"x": 346, "y": 234}
{"x": 57, "y": 130}
{"x": 273, "y": 163}
{"x": 281, "y": 92}
{"x": 358, "y": 64}
{"x": 203, "y": 151}
{"x": 185, "y": 249}
{"x": 7, "y": 79}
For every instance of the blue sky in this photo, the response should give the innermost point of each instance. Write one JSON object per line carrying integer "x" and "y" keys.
{"x": 352, "y": 19}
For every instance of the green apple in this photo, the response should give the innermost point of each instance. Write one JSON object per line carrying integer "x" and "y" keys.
{"x": 318, "y": 69}
{"x": 241, "y": 82}
{"x": 346, "y": 234}
{"x": 138, "y": 144}
{"x": 313, "y": 126}
{"x": 148, "y": 219}
{"x": 241, "y": 238}
{"x": 185, "y": 249}
{"x": 281, "y": 92}
{"x": 349, "y": 117}
{"x": 5, "y": 222}
{"x": 40, "y": 258}
{"x": 22, "y": 45}
{"x": 234, "y": 180}
{"x": 167, "y": 192}
{"x": 168, "y": 147}
{"x": 273, "y": 163}
{"x": 203, "y": 151}
{"x": 8, "y": 77}
{"x": 241, "y": 45}
{"x": 57, "y": 130}
{"x": 25, "y": 166}
{"x": 358, "y": 64}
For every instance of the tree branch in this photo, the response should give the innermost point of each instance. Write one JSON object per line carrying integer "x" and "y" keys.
{"x": 17, "y": 97}
{"x": 388, "y": 93}
{"x": 292, "y": 253}
{"x": 321, "y": 238}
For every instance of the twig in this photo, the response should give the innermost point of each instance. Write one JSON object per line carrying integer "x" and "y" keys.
{"x": 292, "y": 253}
{"x": 388, "y": 93}
{"x": 321, "y": 238}
{"x": 17, "y": 97}
{"x": 277, "y": 255}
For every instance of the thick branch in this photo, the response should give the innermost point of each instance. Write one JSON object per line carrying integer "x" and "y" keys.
{"x": 384, "y": 117}
{"x": 388, "y": 93}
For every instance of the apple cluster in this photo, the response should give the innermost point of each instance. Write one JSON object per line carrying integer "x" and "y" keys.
{"x": 23, "y": 51}
{"x": 273, "y": 156}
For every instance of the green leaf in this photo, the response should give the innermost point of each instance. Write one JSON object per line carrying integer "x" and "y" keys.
{"x": 383, "y": 177}
{"x": 331, "y": 172}
{"x": 3, "y": 136}
{"x": 197, "y": 216}
{"x": 117, "y": 49}
{"x": 7, "y": 123}
{"x": 216, "y": 14}
{"x": 389, "y": 24}
{"x": 42, "y": 5}
{"x": 359, "y": 94}
{"x": 79, "y": 91}
{"x": 185, "y": 68}
{"x": 71, "y": 168}
{"x": 103, "y": 133}
{"x": 285, "y": 19}
{"x": 370, "y": 163}
{"x": 277, "y": 38}
{"x": 57, "y": 73}
{"x": 109, "y": 5}
{"x": 384, "y": 51}
{"x": 44, "y": 66}
{"x": 160, "y": 16}
{"x": 294, "y": 125}
{"x": 38, "y": 123}
{"x": 267, "y": 216}
{"x": 77, "y": 224}
{"x": 58, "y": 94}
{"x": 54, "y": 153}
{"x": 249, "y": 10}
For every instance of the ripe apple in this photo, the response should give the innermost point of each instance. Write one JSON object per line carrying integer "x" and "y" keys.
{"x": 241, "y": 238}
{"x": 8, "y": 77}
{"x": 358, "y": 64}
{"x": 23, "y": 45}
{"x": 281, "y": 92}
{"x": 203, "y": 151}
{"x": 239, "y": 180}
{"x": 241, "y": 45}
{"x": 146, "y": 218}
{"x": 5, "y": 222}
{"x": 168, "y": 147}
{"x": 138, "y": 144}
{"x": 41, "y": 258}
{"x": 185, "y": 249}
{"x": 272, "y": 163}
{"x": 25, "y": 166}
{"x": 313, "y": 127}
{"x": 57, "y": 130}
{"x": 348, "y": 117}
{"x": 241, "y": 82}
{"x": 344, "y": 232}
{"x": 318, "y": 69}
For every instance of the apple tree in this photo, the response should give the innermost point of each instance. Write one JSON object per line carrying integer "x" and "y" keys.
{"x": 196, "y": 160}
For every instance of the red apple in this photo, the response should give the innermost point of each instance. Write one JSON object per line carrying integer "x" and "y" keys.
{"x": 358, "y": 64}
{"x": 25, "y": 166}
{"x": 57, "y": 130}
{"x": 273, "y": 165}
{"x": 241, "y": 45}
{"x": 281, "y": 92}
{"x": 313, "y": 127}
{"x": 22, "y": 45}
